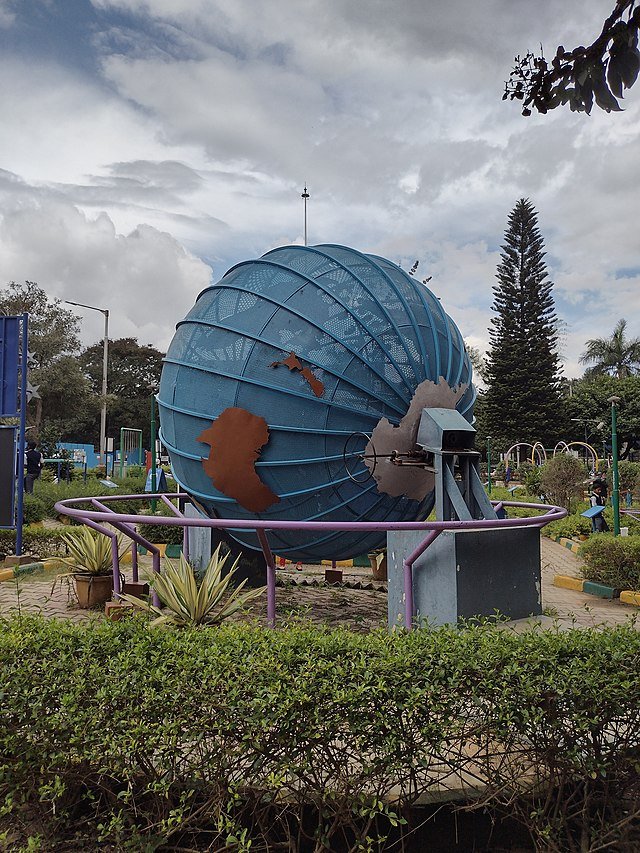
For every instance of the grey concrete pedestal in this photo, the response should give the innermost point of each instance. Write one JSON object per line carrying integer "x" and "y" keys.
{"x": 466, "y": 574}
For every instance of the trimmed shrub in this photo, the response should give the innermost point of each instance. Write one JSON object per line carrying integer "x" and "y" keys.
{"x": 239, "y": 737}
{"x": 161, "y": 535}
{"x": 572, "y": 527}
{"x": 562, "y": 480}
{"x": 33, "y": 509}
{"x": 35, "y": 540}
{"x": 612, "y": 560}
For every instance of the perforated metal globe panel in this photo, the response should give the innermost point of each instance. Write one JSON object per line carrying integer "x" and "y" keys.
{"x": 368, "y": 331}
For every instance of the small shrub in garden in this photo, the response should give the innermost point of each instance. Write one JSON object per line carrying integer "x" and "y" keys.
{"x": 612, "y": 560}
{"x": 562, "y": 479}
{"x": 33, "y": 509}
{"x": 189, "y": 601}
{"x": 571, "y": 527}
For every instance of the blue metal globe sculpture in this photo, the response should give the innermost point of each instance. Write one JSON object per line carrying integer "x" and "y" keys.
{"x": 322, "y": 342}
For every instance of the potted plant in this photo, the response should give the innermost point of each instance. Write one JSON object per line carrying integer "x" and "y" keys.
{"x": 91, "y": 565}
{"x": 187, "y": 601}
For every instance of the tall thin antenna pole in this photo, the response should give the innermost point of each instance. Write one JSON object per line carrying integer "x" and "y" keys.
{"x": 305, "y": 196}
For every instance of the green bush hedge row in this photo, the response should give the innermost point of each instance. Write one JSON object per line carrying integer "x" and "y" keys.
{"x": 612, "y": 560}
{"x": 38, "y": 541}
{"x": 238, "y": 736}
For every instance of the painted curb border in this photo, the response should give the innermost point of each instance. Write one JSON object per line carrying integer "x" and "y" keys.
{"x": 30, "y": 568}
{"x": 572, "y": 546}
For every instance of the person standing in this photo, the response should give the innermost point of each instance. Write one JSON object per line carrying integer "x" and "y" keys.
{"x": 597, "y": 498}
{"x": 34, "y": 466}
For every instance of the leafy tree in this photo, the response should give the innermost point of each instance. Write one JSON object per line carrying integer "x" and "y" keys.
{"x": 589, "y": 401}
{"x": 563, "y": 479}
{"x": 615, "y": 356}
{"x": 477, "y": 361}
{"x": 599, "y": 72}
{"x": 134, "y": 377}
{"x": 522, "y": 400}
{"x": 53, "y": 343}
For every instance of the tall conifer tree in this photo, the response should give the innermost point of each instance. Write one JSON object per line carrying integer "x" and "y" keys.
{"x": 523, "y": 400}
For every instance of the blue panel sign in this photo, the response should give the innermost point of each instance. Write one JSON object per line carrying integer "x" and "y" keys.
{"x": 592, "y": 511}
{"x": 9, "y": 357}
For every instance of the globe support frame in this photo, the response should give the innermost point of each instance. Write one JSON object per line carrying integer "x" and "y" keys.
{"x": 100, "y": 517}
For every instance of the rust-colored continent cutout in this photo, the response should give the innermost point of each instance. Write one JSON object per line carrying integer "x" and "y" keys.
{"x": 293, "y": 363}
{"x": 236, "y": 438}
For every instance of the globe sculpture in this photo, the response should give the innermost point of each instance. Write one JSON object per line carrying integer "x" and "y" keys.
{"x": 286, "y": 379}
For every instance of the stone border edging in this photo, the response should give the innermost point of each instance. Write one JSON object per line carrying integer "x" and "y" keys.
{"x": 30, "y": 568}
{"x": 598, "y": 589}
{"x": 573, "y": 546}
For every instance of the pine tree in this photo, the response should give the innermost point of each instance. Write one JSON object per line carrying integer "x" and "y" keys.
{"x": 523, "y": 399}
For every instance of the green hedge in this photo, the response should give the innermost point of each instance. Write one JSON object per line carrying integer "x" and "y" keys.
{"x": 572, "y": 526}
{"x": 215, "y": 738}
{"x": 38, "y": 541}
{"x": 612, "y": 560}
{"x": 50, "y": 493}
{"x": 33, "y": 509}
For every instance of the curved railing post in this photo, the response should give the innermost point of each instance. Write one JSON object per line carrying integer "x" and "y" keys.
{"x": 125, "y": 524}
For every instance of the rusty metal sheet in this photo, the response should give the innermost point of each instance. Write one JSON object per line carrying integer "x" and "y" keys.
{"x": 236, "y": 439}
{"x": 293, "y": 363}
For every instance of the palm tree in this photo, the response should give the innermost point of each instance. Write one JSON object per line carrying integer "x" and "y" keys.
{"x": 615, "y": 356}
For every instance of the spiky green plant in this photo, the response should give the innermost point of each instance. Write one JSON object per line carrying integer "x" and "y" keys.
{"x": 90, "y": 551}
{"x": 187, "y": 602}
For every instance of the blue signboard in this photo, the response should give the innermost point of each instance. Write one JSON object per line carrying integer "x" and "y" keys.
{"x": 592, "y": 511}
{"x": 9, "y": 357}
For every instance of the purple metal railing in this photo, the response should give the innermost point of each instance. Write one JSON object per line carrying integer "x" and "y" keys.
{"x": 102, "y": 514}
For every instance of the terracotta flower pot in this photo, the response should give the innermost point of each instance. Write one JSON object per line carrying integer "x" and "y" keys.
{"x": 93, "y": 590}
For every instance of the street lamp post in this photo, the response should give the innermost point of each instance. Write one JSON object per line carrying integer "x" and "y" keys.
{"x": 615, "y": 495}
{"x": 585, "y": 422}
{"x": 105, "y": 363}
{"x": 489, "y": 464}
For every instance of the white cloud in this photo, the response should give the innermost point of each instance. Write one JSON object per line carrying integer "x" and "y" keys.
{"x": 145, "y": 278}
{"x": 195, "y": 123}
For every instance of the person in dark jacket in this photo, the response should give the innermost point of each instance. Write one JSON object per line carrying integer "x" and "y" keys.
{"x": 34, "y": 466}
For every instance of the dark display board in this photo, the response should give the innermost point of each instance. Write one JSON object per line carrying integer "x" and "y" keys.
{"x": 7, "y": 475}
{"x": 9, "y": 354}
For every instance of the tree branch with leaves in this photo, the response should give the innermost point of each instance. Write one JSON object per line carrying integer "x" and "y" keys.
{"x": 598, "y": 73}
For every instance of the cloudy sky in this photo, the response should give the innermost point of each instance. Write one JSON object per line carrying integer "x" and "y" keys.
{"x": 148, "y": 145}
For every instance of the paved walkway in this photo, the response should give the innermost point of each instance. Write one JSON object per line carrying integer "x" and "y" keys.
{"x": 360, "y": 609}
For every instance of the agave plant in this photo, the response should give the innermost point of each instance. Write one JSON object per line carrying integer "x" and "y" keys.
{"x": 189, "y": 602}
{"x": 90, "y": 551}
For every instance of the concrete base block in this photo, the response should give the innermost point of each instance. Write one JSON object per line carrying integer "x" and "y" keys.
{"x": 333, "y": 575}
{"x": 568, "y": 582}
{"x": 599, "y": 589}
{"x": 463, "y": 575}
{"x": 115, "y": 610}
{"x": 14, "y": 560}
{"x": 136, "y": 588}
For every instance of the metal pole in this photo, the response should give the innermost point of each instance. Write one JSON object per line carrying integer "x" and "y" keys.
{"x": 615, "y": 496}
{"x": 105, "y": 366}
{"x": 489, "y": 464}
{"x": 153, "y": 452}
{"x": 21, "y": 433}
{"x": 305, "y": 196}
{"x": 103, "y": 409}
